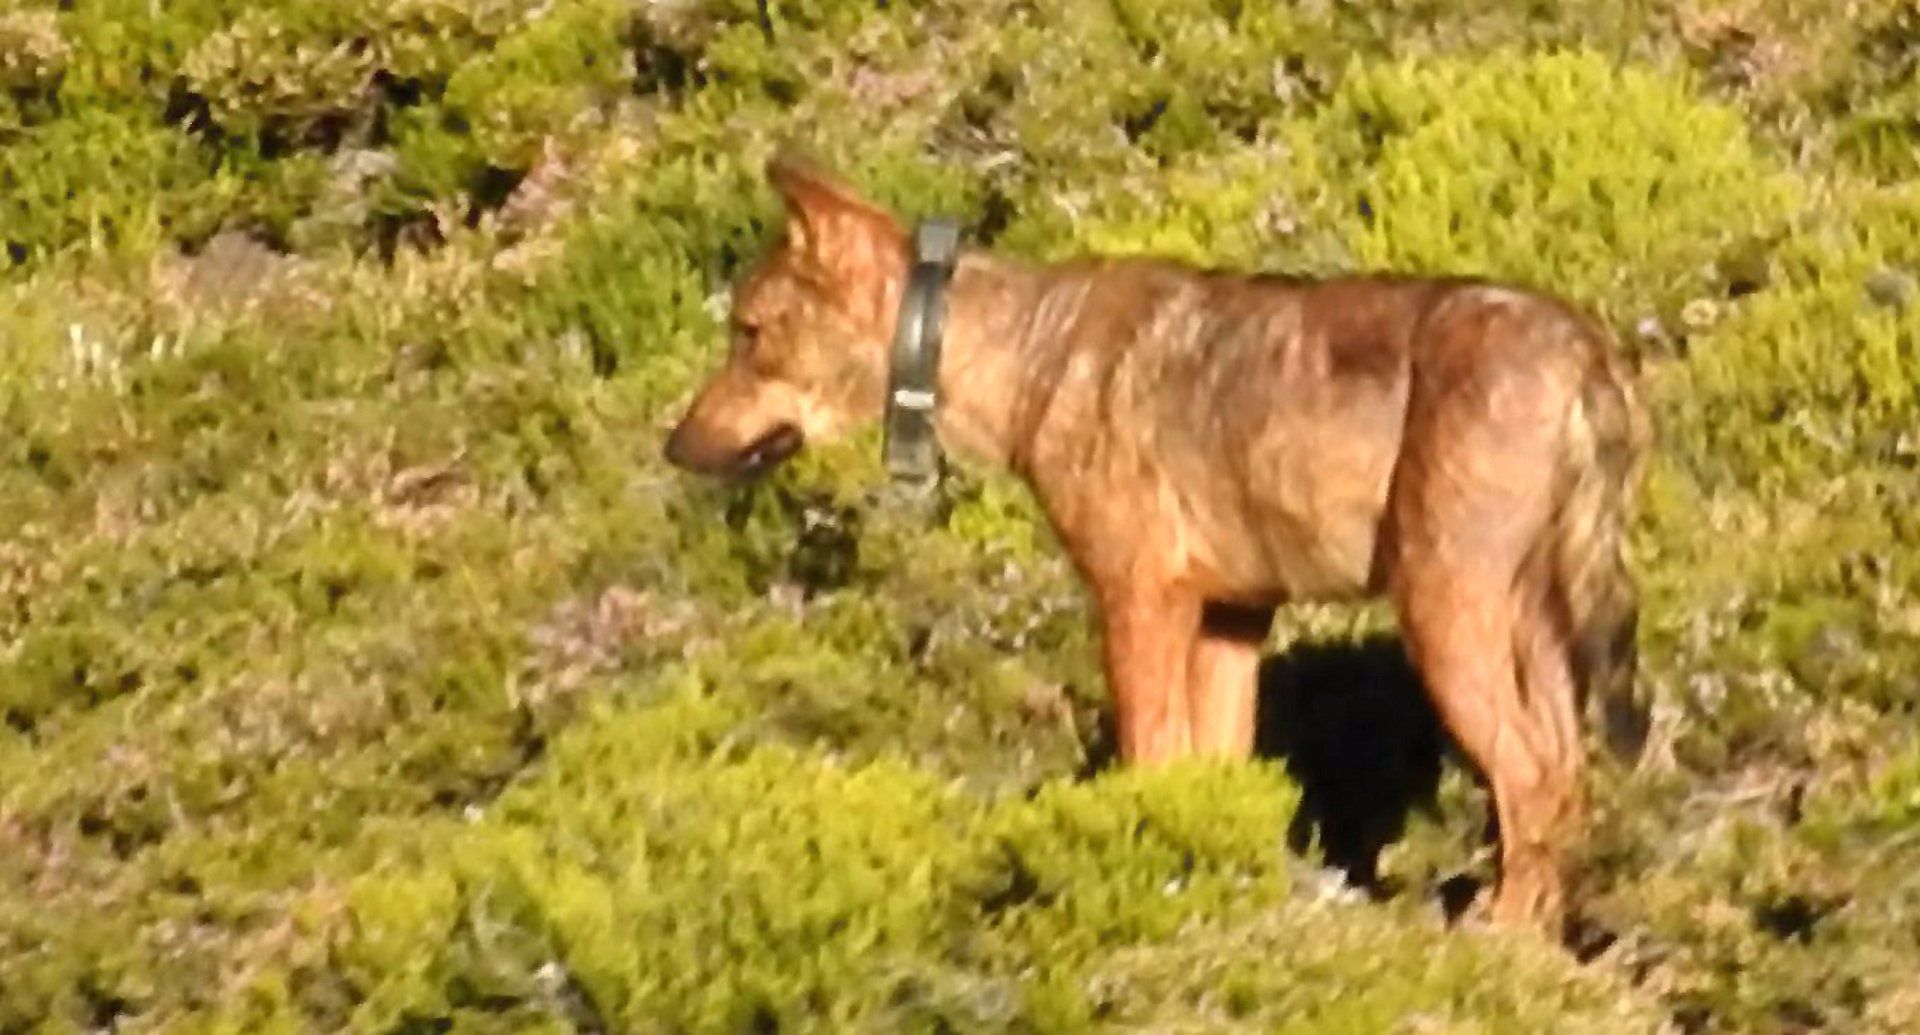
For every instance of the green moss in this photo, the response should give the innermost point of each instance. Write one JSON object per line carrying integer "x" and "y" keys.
{"x": 550, "y": 75}
{"x": 1614, "y": 187}
{"x": 711, "y": 892}
{"x": 100, "y": 180}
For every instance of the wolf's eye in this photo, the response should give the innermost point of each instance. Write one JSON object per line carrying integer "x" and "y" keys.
{"x": 748, "y": 346}
{"x": 745, "y": 334}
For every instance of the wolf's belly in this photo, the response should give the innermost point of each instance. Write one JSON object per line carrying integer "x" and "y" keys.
{"x": 1262, "y": 552}
{"x": 1290, "y": 523}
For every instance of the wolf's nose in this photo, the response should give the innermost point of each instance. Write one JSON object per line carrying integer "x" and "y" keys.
{"x": 677, "y": 450}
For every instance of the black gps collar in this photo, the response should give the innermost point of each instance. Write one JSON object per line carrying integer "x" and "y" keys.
{"x": 911, "y": 449}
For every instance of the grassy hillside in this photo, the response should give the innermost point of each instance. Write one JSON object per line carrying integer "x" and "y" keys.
{"x": 363, "y": 667}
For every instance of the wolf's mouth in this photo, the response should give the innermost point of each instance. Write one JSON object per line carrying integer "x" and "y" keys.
{"x": 769, "y": 450}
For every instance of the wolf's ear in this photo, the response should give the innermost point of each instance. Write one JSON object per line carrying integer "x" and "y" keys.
{"x": 806, "y": 184}
{"x": 834, "y": 230}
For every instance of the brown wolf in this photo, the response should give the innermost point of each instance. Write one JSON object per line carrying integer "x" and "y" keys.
{"x": 1208, "y": 445}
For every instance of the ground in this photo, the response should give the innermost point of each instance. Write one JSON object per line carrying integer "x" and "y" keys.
{"x": 364, "y": 667}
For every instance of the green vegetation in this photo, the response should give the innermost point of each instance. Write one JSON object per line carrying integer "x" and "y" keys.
{"x": 364, "y": 667}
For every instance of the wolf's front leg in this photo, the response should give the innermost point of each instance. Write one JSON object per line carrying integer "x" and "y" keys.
{"x": 1223, "y": 678}
{"x": 1148, "y": 641}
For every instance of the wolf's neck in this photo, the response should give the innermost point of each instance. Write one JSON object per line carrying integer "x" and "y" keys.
{"x": 986, "y": 362}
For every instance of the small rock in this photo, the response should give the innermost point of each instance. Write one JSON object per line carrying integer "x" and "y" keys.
{"x": 551, "y": 977}
{"x": 1045, "y": 700}
{"x": 1699, "y": 314}
{"x": 1905, "y": 447}
{"x": 1834, "y": 643}
{"x": 230, "y": 270}
{"x": 354, "y": 168}
{"x": 1829, "y": 655}
{"x": 1890, "y": 287}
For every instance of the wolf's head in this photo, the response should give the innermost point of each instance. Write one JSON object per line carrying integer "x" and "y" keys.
{"x": 811, "y": 327}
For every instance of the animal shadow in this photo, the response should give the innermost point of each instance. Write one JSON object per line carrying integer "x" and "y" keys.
{"x": 1354, "y": 729}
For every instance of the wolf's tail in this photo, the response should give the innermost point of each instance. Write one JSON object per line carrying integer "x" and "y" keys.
{"x": 1606, "y": 453}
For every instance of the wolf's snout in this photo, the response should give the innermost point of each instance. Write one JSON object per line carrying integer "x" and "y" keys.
{"x": 681, "y": 451}
{"x": 690, "y": 448}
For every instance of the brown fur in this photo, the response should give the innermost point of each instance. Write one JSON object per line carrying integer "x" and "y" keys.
{"x": 1208, "y": 445}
